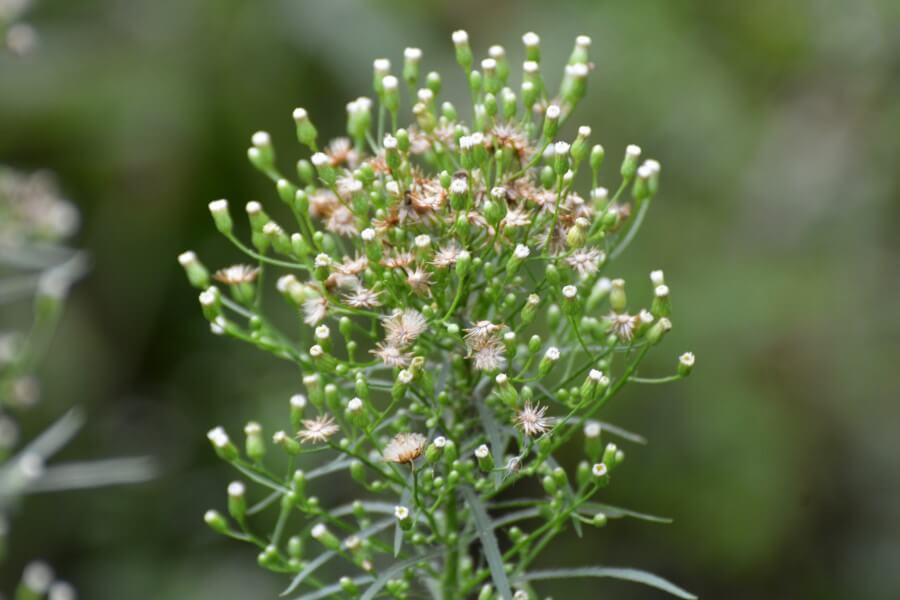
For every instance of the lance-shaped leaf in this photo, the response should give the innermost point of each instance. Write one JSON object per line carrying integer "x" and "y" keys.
{"x": 626, "y": 574}
{"x": 488, "y": 542}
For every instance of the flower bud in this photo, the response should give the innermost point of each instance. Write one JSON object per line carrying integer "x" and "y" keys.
{"x": 484, "y": 457}
{"x": 463, "y": 50}
{"x": 222, "y": 444}
{"x": 320, "y": 533}
{"x": 255, "y": 446}
{"x": 661, "y": 307}
{"x": 630, "y": 163}
{"x": 532, "y": 43}
{"x": 580, "y": 54}
{"x": 306, "y": 131}
{"x": 290, "y": 445}
{"x": 618, "y": 301}
{"x": 685, "y": 364}
{"x": 221, "y": 216}
{"x": 550, "y": 357}
{"x": 237, "y": 501}
{"x": 262, "y": 153}
{"x": 196, "y": 273}
{"x": 551, "y": 123}
{"x": 216, "y": 521}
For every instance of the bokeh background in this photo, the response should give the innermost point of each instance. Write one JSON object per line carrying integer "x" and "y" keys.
{"x": 778, "y": 127}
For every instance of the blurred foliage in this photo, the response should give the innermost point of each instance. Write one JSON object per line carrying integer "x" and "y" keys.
{"x": 776, "y": 124}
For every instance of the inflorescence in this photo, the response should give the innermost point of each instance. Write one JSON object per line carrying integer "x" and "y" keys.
{"x": 456, "y": 326}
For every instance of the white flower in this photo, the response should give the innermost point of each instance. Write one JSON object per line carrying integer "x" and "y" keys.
{"x": 482, "y": 451}
{"x": 368, "y": 234}
{"x": 318, "y": 430}
{"x": 318, "y": 530}
{"x": 253, "y": 207}
{"x": 355, "y": 405}
{"x": 440, "y": 441}
{"x": 423, "y": 241}
{"x": 531, "y": 39}
{"x": 390, "y": 142}
{"x": 570, "y": 291}
{"x": 405, "y": 376}
{"x": 521, "y": 252}
{"x": 187, "y": 258}
{"x": 320, "y": 159}
{"x": 459, "y": 186}
{"x": 236, "y": 489}
{"x": 405, "y": 448}
{"x": 261, "y": 138}
{"x": 661, "y": 291}
{"x": 595, "y": 375}
{"x": 322, "y": 260}
{"x": 553, "y": 111}
{"x": 488, "y": 64}
{"x": 460, "y": 37}
{"x": 599, "y": 470}
{"x": 501, "y": 378}
{"x": 592, "y": 429}
{"x": 298, "y": 401}
{"x": 531, "y": 67}
{"x": 322, "y": 332}
{"x": 37, "y": 577}
{"x": 583, "y": 41}
{"x": 316, "y": 351}
{"x": 412, "y": 54}
{"x": 599, "y": 193}
{"x": 561, "y": 148}
{"x": 218, "y": 206}
{"x": 657, "y": 278}
{"x": 687, "y": 359}
{"x": 531, "y": 419}
{"x": 218, "y": 437}
{"x": 633, "y": 151}
{"x": 381, "y": 65}
{"x": 584, "y": 131}
{"x": 552, "y": 354}
{"x": 390, "y": 83}
{"x": 209, "y": 296}
{"x": 401, "y": 512}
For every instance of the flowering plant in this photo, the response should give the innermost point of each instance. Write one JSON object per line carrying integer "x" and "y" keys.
{"x": 458, "y": 330}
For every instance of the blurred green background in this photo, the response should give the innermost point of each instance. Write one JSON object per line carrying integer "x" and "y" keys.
{"x": 778, "y": 127}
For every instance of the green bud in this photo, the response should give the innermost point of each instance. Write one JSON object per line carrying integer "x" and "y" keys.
{"x": 630, "y": 163}
{"x": 599, "y": 520}
{"x": 221, "y": 216}
{"x": 255, "y": 446}
{"x": 290, "y": 445}
{"x": 463, "y": 50}
{"x": 433, "y": 83}
{"x": 216, "y": 521}
{"x": 196, "y": 273}
{"x": 484, "y": 457}
{"x": 597, "y": 154}
{"x": 237, "y": 501}
{"x": 306, "y": 131}
{"x": 618, "y": 301}
{"x": 686, "y": 364}
{"x": 658, "y": 330}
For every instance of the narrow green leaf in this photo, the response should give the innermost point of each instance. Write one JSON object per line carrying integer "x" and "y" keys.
{"x": 625, "y": 574}
{"x": 488, "y": 542}
{"x": 623, "y": 433}
{"x": 616, "y": 512}
{"x": 396, "y": 569}
{"x": 495, "y": 437}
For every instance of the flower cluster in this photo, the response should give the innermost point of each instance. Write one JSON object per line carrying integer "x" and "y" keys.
{"x": 458, "y": 324}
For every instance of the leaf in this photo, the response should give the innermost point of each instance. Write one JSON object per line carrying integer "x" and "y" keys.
{"x": 615, "y": 512}
{"x": 623, "y": 433}
{"x": 90, "y": 474}
{"x": 488, "y": 542}
{"x": 625, "y": 574}
{"x": 498, "y": 442}
{"x": 395, "y": 569}
{"x": 333, "y": 589}
{"x": 398, "y": 532}
{"x": 57, "y": 435}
